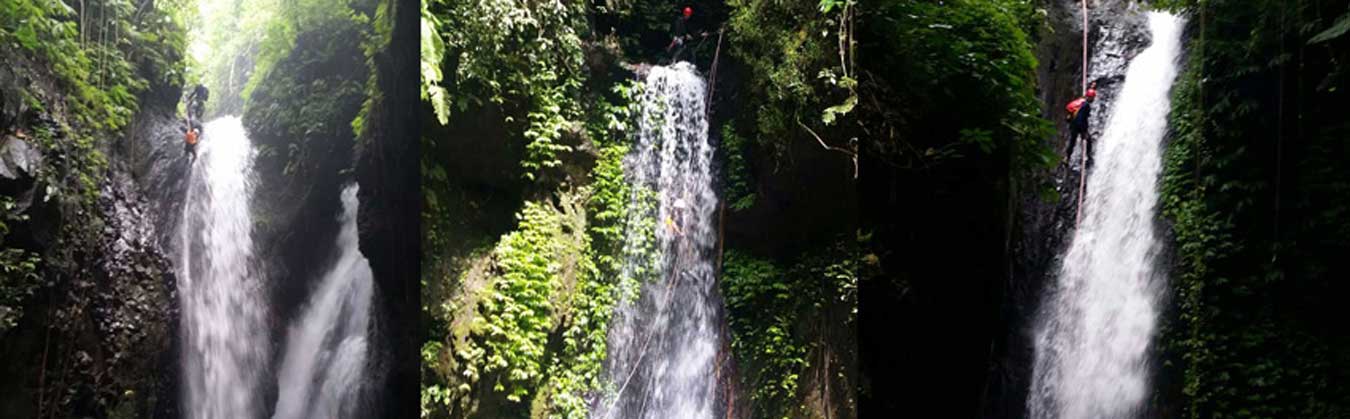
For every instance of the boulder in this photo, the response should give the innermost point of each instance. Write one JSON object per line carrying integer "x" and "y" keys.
{"x": 19, "y": 160}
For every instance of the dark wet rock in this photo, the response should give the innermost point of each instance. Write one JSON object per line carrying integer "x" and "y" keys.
{"x": 18, "y": 160}
{"x": 11, "y": 98}
{"x": 388, "y": 171}
{"x": 153, "y": 159}
{"x": 19, "y": 165}
{"x": 811, "y": 185}
{"x": 96, "y": 336}
{"x": 135, "y": 305}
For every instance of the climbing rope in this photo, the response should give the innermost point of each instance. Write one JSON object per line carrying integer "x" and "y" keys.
{"x": 651, "y": 334}
{"x": 1082, "y": 174}
{"x": 712, "y": 75}
{"x": 1085, "y": 45}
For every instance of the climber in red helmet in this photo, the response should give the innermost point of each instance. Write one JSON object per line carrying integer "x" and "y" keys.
{"x": 679, "y": 33}
{"x": 1079, "y": 113}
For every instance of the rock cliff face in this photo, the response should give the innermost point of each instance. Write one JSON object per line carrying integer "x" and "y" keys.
{"x": 95, "y": 321}
{"x": 299, "y": 118}
{"x": 1039, "y": 227}
{"x": 90, "y": 327}
{"x": 388, "y": 170}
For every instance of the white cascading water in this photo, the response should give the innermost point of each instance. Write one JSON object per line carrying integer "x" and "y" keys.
{"x": 224, "y": 317}
{"x": 663, "y": 346}
{"x": 226, "y": 343}
{"x": 323, "y": 372}
{"x": 1095, "y": 327}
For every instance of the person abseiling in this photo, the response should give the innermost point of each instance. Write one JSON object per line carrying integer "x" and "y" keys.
{"x": 1079, "y": 113}
{"x": 196, "y": 101}
{"x": 196, "y": 106}
{"x": 679, "y": 34}
{"x": 190, "y": 139}
{"x": 673, "y": 221}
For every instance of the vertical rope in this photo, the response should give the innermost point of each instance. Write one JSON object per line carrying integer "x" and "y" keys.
{"x": 1082, "y": 142}
{"x": 1082, "y": 181}
{"x": 1085, "y": 45}
{"x": 712, "y": 76}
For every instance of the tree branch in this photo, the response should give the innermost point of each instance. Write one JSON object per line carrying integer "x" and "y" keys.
{"x": 852, "y": 154}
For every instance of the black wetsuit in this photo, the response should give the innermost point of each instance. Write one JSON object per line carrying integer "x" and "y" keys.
{"x": 678, "y": 31}
{"x": 197, "y": 102}
{"x": 1078, "y": 126}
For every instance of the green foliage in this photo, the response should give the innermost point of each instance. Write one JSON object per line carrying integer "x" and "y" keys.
{"x": 517, "y": 315}
{"x": 577, "y": 369}
{"x": 579, "y": 366}
{"x": 624, "y": 226}
{"x": 573, "y": 253}
{"x": 544, "y": 285}
{"x": 801, "y": 58}
{"x": 765, "y": 336}
{"x": 225, "y": 43}
{"x": 324, "y": 83}
{"x": 610, "y": 205}
{"x": 100, "y": 56}
{"x": 615, "y": 219}
{"x": 289, "y": 19}
{"x": 774, "y": 314}
{"x": 740, "y": 186}
{"x": 1259, "y": 239}
{"x": 237, "y": 44}
{"x": 100, "y": 65}
{"x": 973, "y": 90}
{"x": 433, "y": 51}
{"x": 18, "y": 270}
{"x": 509, "y": 52}
{"x": 911, "y": 100}
{"x": 1335, "y": 31}
{"x": 433, "y": 395}
{"x": 373, "y": 43}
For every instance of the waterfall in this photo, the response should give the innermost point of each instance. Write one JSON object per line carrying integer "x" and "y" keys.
{"x": 323, "y": 371}
{"x": 1097, "y": 322}
{"x": 224, "y": 316}
{"x": 663, "y": 346}
{"x": 225, "y": 327}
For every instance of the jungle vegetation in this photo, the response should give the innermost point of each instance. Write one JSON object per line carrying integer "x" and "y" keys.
{"x": 1255, "y": 190}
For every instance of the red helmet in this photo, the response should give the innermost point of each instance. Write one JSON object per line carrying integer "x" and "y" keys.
{"x": 688, "y": 11}
{"x": 1091, "y": 93}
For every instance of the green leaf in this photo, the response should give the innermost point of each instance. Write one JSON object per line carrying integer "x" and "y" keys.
{"x": 841, "y": 109}
{"x": 1335, "y": 31}
{"x": 27, "y": 37}
{"x": 828, "y": 5}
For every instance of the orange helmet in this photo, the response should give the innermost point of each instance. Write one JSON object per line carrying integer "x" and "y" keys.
{"x": 688, "y": 11}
